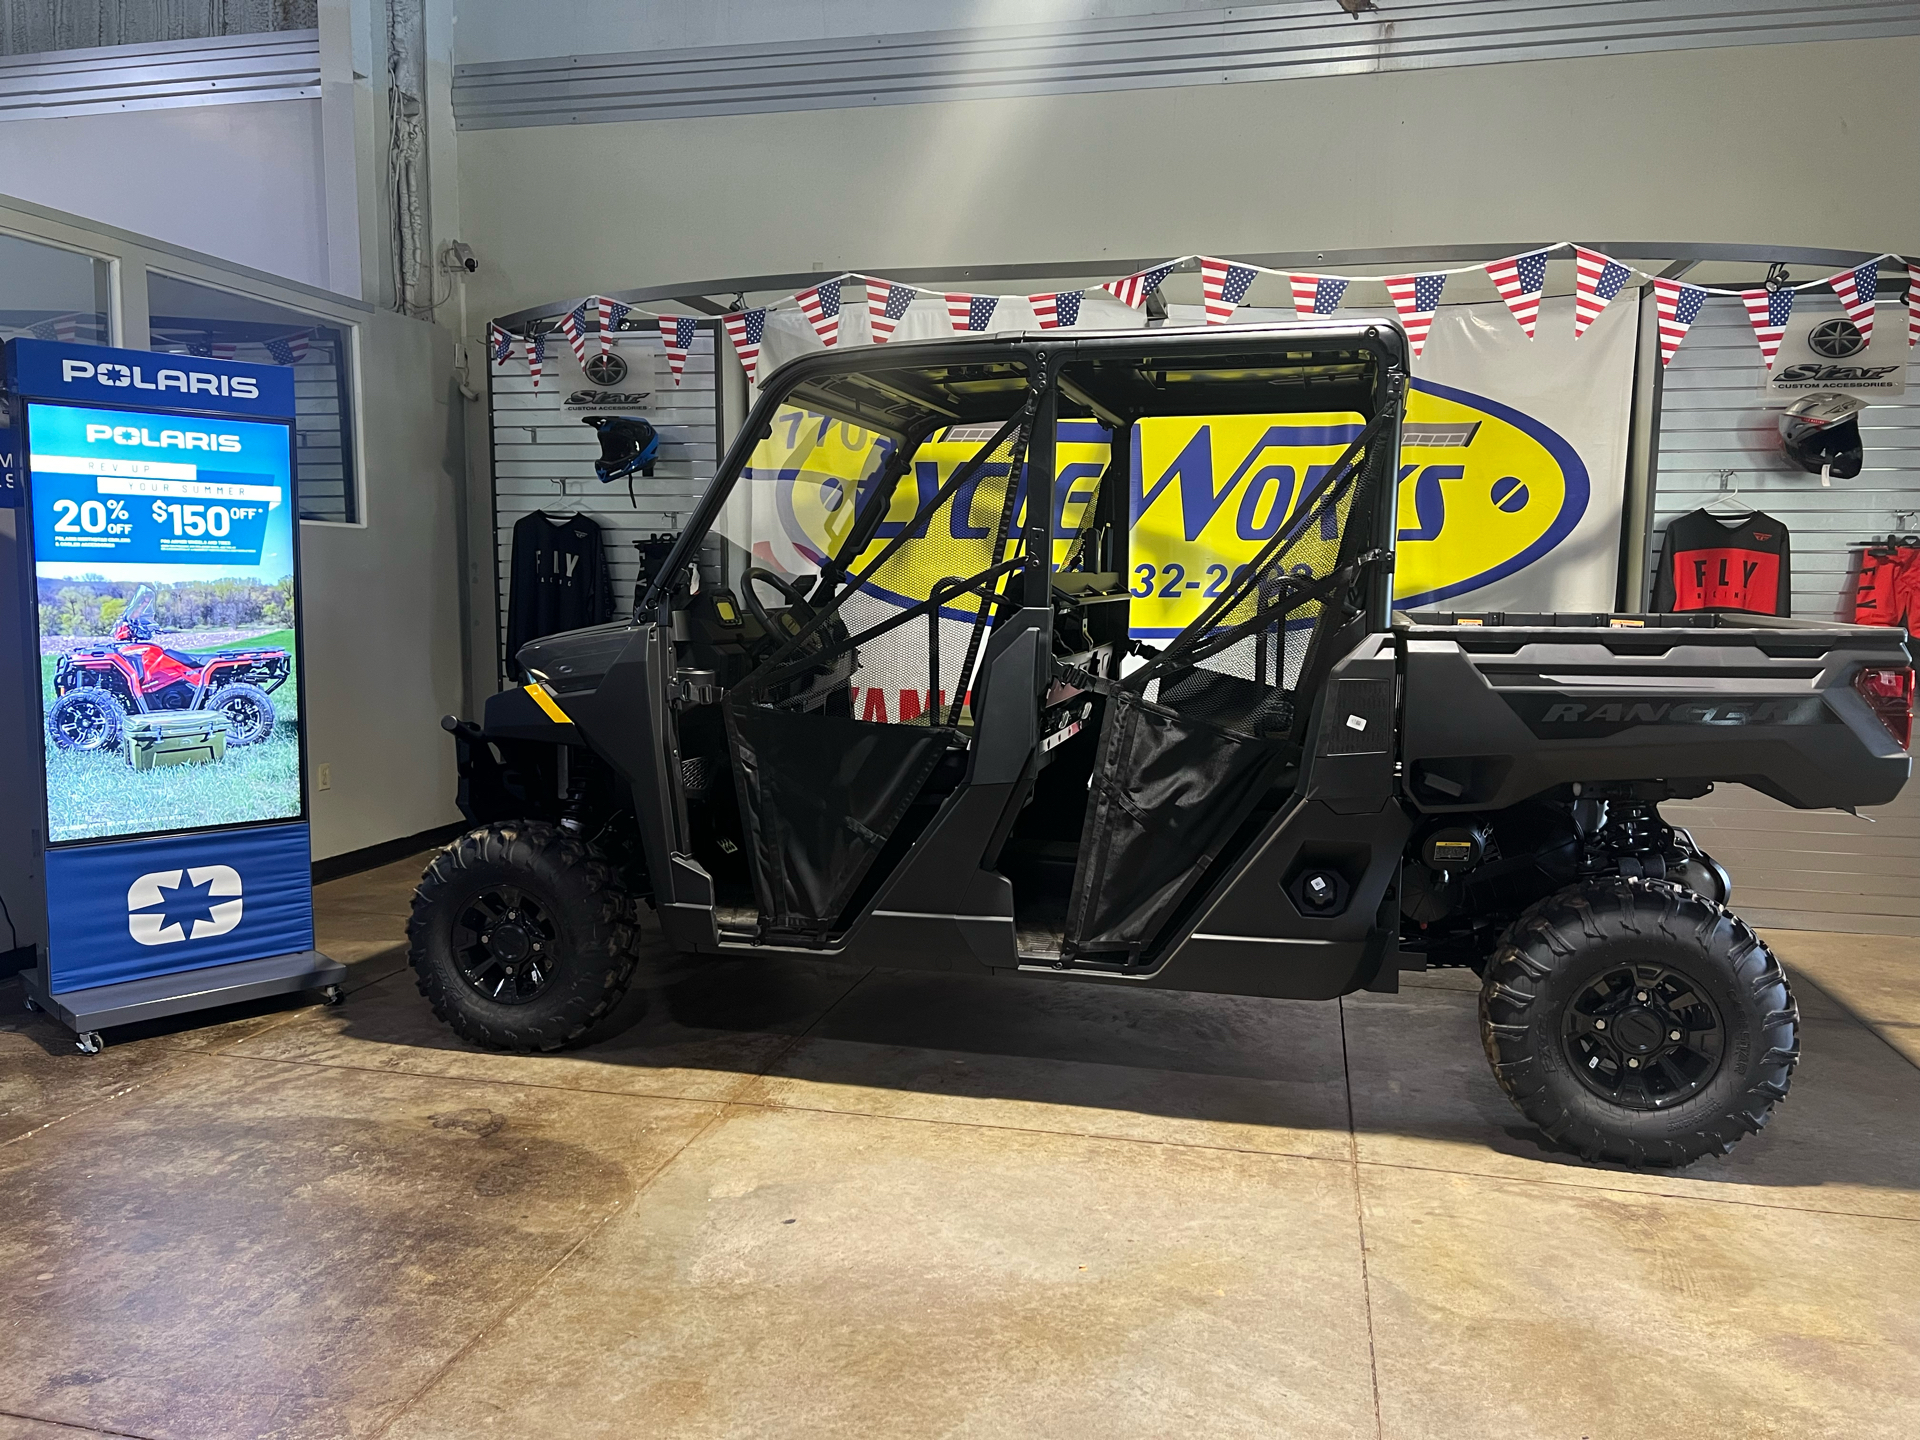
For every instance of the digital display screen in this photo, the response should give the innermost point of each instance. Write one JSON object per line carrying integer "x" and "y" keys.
{"x": 164, "y": 564}
{"x": 723, "y": 608}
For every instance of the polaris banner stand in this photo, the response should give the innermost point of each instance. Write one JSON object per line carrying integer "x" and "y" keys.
{"x": 160, "y": 591}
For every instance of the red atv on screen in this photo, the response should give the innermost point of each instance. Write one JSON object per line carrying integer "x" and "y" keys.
{"x": 96, "y": 689}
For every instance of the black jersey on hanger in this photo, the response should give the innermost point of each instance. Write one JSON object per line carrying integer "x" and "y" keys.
{"x": 1710, "y": 563}
{"x": 559, "y": 579}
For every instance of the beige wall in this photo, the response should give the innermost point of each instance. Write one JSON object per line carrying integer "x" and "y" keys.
{"x": 1814, "y": 144}
{"x": 382, "y": 603}
{"x": 242, "y": 182}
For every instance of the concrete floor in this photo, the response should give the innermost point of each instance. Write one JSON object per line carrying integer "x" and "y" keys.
{"x": 809, "y": 1201}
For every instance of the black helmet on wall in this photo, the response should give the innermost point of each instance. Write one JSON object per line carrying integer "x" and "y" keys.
{"x": 628, "y": 444}
{"x": 1821, "y": 434}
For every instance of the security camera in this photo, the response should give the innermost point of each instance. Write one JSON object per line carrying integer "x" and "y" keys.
{"x": 458, "y": 255}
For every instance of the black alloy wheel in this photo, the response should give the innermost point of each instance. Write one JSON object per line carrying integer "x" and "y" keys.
{"x": 1643, "y": 1036}
{"x": 501, "y": 940}
{"x": 1638, "y": 1022}
{"x": 87, "y": 719}
{"x": 250, "y": 714}
{"x": 522, "y": 936}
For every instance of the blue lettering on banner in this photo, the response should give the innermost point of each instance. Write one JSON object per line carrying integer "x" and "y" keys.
{"x": 141, "y": 908}
{"x": 93, "y": 374}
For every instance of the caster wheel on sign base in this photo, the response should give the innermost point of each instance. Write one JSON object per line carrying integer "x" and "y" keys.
{"x": 89, "y": 1042}
{"x": 30, "y": 1003}
{"x": 333, "y": 994}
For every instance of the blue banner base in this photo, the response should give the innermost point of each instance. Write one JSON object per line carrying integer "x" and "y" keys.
{"x": 157, "y": 996}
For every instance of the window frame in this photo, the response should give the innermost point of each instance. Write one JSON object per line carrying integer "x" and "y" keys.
{"x": 130, "y": 257}
{"x": 349, "y": 361}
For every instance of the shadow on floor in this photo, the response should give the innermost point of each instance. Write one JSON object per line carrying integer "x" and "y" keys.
{"x": 1404, "y": 1074}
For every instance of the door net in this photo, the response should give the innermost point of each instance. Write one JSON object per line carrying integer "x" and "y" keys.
{"x": 835, "y": 734}
{"x": 1192, "y": 740}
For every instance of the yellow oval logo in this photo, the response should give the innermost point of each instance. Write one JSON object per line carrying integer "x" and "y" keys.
{"x": 1484, "y": 491}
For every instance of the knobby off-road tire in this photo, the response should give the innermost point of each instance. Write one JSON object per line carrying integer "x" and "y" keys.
{"x": 521, "y": 937}
{"x": 89, "y": 718}
{"x": 1638, "y": 1022}
{"x": 249, "y": 712}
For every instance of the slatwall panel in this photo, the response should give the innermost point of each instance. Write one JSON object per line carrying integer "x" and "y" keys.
{"x": 543, "y": 455}
{"x": 1807, "y": 870}
{"x": 323, "y": 460}
{"x": 1814, "y": 869}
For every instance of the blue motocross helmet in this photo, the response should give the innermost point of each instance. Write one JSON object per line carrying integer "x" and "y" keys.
{"x": 628, "y": 446}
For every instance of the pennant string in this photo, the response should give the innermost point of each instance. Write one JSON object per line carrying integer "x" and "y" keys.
{"x": 831, "y": 283}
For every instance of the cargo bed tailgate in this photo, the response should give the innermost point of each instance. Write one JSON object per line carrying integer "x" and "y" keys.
{"x": 1493, "y": 713}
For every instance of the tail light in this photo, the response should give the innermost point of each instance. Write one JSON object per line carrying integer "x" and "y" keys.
{"x": 1889, "y": 691}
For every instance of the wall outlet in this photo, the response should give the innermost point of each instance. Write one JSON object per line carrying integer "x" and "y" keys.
{"x": 323, "y": 776}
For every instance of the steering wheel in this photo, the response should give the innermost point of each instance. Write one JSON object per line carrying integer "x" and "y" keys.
{"x": 796, "y": 617}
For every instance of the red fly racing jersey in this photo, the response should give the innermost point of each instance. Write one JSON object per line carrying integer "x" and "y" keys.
{"x": 1707, "y": 563}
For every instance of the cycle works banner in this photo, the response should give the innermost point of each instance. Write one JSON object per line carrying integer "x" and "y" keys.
{"x": 1512, "y": 474}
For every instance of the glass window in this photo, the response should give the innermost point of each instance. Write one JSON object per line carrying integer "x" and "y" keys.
{"x": 189, "y": 319}
{"x": 47, "y": 293}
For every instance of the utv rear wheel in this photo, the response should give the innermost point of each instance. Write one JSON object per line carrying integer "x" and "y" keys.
{"x": 87, "y": 719}
{"x": 521, "y": 937}
{"x": 249, "y": 712}
{"x": 1638, "y": 1022}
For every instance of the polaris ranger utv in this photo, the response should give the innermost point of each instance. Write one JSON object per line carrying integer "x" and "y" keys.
{"x": 889, "y": 703}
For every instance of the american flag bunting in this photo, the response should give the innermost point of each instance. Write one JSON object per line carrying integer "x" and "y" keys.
{"x": 289, "y": 349}
{"x": 678, "y": 332}
{"x": 1317, "y": 294}
{"x": 886, "y": 303}
{"x": 1767, "y": 311}
{"x": 1600, "y": 278}
{"x": 1679, "y": 306}
{"x": 971, "y": 312}
{"x": 822, "y": 307}
{"x": 499, "y": 344}
{"x": 1520, "y": 279}
{"x": 574, "y": 326}
{"x": 1133, "y": 290}
{"x": 1058, "y": 309}
{"x": 1226, "y": 286}
{"x": 612, "y": 316}
{"x": 536, "y": 354}
{"x": 1856, "y": 288}
{"x": 1416, "y": 297}
{"x": 746, "y": 329}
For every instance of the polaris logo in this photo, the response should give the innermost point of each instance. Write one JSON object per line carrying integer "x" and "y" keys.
{"x": 163, "y": 908}
{"x": 166, "y": 440}
{"x": 116, "y": 376}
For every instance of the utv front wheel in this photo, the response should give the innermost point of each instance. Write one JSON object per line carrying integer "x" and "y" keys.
{"x": 1639, "y": 1023}
{"x": 87, "y": 719}
{"x": 521, "y": 937}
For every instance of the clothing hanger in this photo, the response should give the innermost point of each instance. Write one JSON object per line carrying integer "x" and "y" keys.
{"x": 1729, "y": 493}
{"x": 1894, "y": 539}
